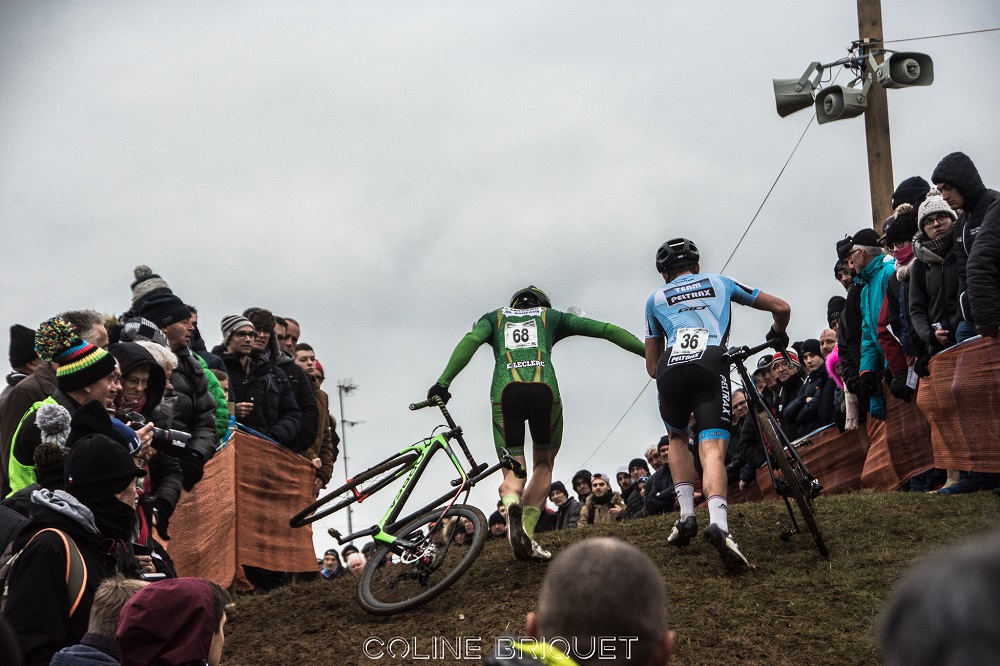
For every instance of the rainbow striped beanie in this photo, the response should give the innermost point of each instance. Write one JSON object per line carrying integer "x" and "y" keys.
{"x": 80, "y": 363}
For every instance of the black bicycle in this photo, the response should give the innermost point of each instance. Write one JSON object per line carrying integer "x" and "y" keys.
{"x": 420, "y": 555}
{"x": 792, "y": 477}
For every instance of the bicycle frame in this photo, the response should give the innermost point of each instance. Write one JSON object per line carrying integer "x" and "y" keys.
{"x": 383, "y": 531}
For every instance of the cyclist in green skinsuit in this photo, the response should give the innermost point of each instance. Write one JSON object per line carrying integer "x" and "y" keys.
{"x": 525, "y": 389}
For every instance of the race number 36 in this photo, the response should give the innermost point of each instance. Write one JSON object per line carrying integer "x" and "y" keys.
{"x": 521, "y": 334}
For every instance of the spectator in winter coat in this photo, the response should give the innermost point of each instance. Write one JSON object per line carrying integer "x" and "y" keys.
{"x": 175, "y": 622}
{"x": 23, "y": 359}
{"x": 265, "y": 345}
{"x": 660, "y": 487}
{"x": 812, "y": 407}
{"x": 873, "y": 268}
{"x": 788, "y": 371}
{"x": 934, "y": 285}
{"x": 262, "y": 393}
{"x": 983, "y": 274}
{"x": 567, "y": 508}
{"x": 99, "y": 646}
{"x": 901, "y": 345}
{"x": 96, "y": 512}
{"x": 194, "y": 407}
{"x": 323, "y": 451}
{"x": 962, "y": 188}
{"x": 597, "y": 510}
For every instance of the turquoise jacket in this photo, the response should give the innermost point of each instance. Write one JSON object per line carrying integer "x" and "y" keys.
{"x": 874, "y": 277}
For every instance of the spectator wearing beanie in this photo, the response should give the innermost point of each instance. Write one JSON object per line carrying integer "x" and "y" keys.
{"x": 23, "y": 359}
{"x": 983, "y": 275}
{"x": 787, "y": 369}
{"x": 849, "y": 334}
{"x": 85, "y": 373}
{"x": 812, "y": 407}
{"x": 53, "y": 423}
{"x": 567, "y": 508}
{"x": 581, "y": 484}
{"x": 959, "y": 182}
{"x": 266, "y": 343}
{"x": 911, "y": 191}
{"x": 895, "y": 333}
{"x": 95, "y": 514}
{"x": 195, "y": 409}
{"x": 934, "y": 285}
{"x": 660, "y": 487}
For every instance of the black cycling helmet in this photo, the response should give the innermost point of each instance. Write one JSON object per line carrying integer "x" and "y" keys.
{"x": 676, "y": 253}
{"x": 530, "y": 296}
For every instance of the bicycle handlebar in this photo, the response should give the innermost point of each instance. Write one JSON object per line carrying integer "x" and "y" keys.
{"x": 740, "y": 354}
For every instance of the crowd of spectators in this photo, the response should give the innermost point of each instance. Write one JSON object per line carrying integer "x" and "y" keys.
{"x": 107, "y": 420}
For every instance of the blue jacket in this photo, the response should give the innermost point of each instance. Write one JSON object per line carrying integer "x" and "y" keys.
{"x": 874, "y": 278}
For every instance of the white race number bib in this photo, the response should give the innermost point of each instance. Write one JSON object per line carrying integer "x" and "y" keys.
{"x": 689, "y": 344}
{"x": 521, "y": 334}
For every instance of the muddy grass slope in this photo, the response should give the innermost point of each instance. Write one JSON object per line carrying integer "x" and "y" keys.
{"x": 795, "y": 608}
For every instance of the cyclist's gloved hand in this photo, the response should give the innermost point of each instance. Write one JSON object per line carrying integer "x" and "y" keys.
{"x": 899, "y": 388}
{"x": 869, "y": 383}
{"x": 780, "y": 338}
{"x": 439, "y": 390}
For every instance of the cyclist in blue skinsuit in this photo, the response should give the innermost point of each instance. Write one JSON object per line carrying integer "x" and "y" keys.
{"x": 687, "y": 331}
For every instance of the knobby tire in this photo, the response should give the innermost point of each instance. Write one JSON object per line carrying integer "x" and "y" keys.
{"x": 424, "y": 571}
{"x": 793, "y": 478}
{"x": 366, "y": 483}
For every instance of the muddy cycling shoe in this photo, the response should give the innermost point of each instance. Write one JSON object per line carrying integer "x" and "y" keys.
{"x": 520, "y": 542}
{"x": 683, "y": 531}
{"x": 538, "y": 553}
{"x": 730, "y": 553}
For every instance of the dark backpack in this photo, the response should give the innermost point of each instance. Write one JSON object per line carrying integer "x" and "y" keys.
{"x": 76, "y": 569}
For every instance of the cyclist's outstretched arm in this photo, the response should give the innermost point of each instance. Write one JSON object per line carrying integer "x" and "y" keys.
{"x": 779, "y": 309}
{"x": 464, "y": 351}
{"x": 576, "y": 325}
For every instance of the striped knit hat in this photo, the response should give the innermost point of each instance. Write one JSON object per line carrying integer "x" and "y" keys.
{"x": 80, "y": 363}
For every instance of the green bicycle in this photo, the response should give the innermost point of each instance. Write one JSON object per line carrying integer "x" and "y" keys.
{"x": 428, "y": 554}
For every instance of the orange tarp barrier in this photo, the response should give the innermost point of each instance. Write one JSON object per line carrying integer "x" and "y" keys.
{"x": 954, "y": 423}
{"x": 238, "y": 514}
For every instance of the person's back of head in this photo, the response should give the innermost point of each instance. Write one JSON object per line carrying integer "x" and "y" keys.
{"x": 946, "y": 610}
{"x": 173, "y": 622}
{"x": 577, "y": 604}
{"x": 109, "y": 599}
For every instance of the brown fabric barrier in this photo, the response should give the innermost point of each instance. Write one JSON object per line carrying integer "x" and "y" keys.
{"x": 952, "y": 424}
{"x": 961, "y": 400}
{"x": 238, "y": 514}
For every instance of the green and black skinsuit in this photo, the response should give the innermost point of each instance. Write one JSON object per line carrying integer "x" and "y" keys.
{"x": 524, "y": 381}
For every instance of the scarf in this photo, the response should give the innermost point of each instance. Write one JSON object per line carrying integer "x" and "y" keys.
{"x": 903, "y": 262}
{"x": 933, "y": 251}
{"x": 115, "y": 519}
{"x": 594, "y": 501}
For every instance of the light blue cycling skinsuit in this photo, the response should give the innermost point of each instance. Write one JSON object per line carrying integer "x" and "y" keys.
{"x": 693, "y": 313}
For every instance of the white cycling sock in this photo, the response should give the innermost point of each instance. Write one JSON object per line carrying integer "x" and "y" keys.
{"x": 717, "y": 512}
{"x": 685, "y": 495}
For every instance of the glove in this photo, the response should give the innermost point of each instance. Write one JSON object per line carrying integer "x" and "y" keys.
{"x": 920, "y": 367}
{"x": 780, "y": 338}
{"x": 161, "y": 509}
{"x": 876, "y": 407}
{"x": 899, "y": 388}
{"x": 439, "y": 390}
{"x": 869, "y": 383}
{"x": 853, "y": 384}
{"x": 192, "y": 469}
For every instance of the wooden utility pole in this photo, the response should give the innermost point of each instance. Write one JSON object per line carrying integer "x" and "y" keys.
{"x": 880, "y": 182}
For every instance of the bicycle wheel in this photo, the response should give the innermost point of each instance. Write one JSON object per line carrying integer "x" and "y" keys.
{"x": 362, "y": 485}
{"x": 426, "y": 570}
{"x": 794, "y": 475}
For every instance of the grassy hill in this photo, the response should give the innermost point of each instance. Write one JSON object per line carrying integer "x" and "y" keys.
{"x": 794, "y": 608}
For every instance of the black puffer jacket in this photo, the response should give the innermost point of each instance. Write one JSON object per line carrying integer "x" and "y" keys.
{"x": 275, "y": 412}
{"x": 957, "y": 170}
{"x": 933, "y": 296}
{"x": 193, "y": 411}
{"x": 305, "y": 398}
{"x": 983, "y": 271}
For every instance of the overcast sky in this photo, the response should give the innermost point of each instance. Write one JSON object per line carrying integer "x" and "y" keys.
{"x": 388, "y": 172}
